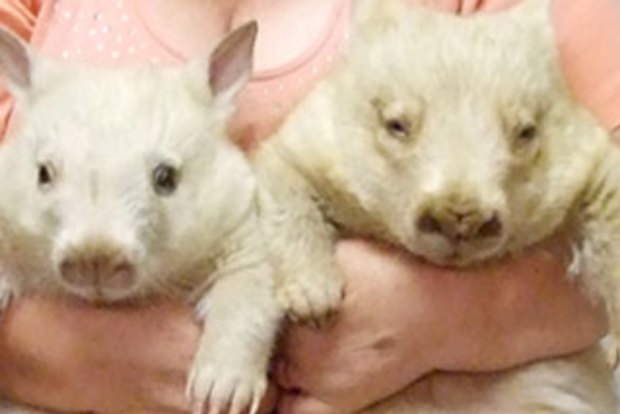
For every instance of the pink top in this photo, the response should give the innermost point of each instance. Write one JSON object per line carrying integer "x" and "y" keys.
{"x": 120, "y": 32}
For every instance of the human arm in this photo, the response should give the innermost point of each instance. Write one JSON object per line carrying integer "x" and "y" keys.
{"x": 77, "y": 358}
{"x": 402, "y": 319}
{"x": 135, "y": 360}
{"x": 588, "y": 35}
{"x": 51, "y": 349}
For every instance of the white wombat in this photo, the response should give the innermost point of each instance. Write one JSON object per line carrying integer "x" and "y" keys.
{"x": 122, "y": 184}
{"x": 458, "y": 140}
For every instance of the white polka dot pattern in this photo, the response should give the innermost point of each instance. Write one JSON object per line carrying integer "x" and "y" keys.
{"x": 101, "y": 32}
{"x": 112, "y": 33}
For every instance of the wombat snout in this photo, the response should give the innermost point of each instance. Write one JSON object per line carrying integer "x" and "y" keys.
{"x": 459, "y": 222}
{"x": 97, "y": 265}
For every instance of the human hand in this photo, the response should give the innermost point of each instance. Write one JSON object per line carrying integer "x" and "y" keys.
{"x": 402, "y": 318}
{"x": 72, "y": 357}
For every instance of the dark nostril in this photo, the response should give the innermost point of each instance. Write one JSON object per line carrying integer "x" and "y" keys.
{"x": 124, "y": 267}
{"x": 491, "y": 227}
{"x": 427, "y": 223}
{"x": 69, "y": 271}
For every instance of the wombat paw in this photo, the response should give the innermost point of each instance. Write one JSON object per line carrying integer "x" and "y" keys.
{"x": 312, "y": 301}
{"x": 214, "y": 388}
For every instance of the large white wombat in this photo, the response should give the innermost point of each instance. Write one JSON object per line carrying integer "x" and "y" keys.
{"x": 118, "y": 185}
{"x": 458, "y": 140}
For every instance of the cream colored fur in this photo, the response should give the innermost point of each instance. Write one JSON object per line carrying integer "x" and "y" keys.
{"x": 104, "y": 132}
{"x": 464, "y": 89}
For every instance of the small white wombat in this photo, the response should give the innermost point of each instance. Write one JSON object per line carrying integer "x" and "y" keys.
{"x": 458, "y": 140}
{"x": 122, "y": 184}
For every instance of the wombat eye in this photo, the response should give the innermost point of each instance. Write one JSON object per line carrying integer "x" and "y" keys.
{"x": 45, "y": 175}
{"x": 527, "y": 132}
{"x": 398, "y": 128}
{"x": 165, "y": 179}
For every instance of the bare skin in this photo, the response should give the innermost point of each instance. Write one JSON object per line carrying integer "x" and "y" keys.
{"x": 133, "y": 360}
{"x": 408, "y": 319}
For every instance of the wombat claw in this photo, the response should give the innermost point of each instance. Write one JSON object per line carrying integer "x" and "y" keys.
{"x": 312, "y": 303}
{"x": 613, "y": 355}
{"x": 219, "y": 390}
{"x": 5, "y": 294}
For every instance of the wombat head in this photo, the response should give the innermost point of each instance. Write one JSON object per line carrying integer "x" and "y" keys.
{"x": 460, "y": 131}
{"x": 114, "y": 182}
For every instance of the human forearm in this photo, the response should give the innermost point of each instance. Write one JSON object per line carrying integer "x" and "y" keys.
{"x": 488, "y": 318}
{"x": 402, "y": 318}
{"x": 528, "y": 309}
{"x": 72, "y": 357}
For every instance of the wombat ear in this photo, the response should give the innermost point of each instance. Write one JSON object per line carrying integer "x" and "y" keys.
{"x": 230, "y": 65}
{"x": 15, "y": 62}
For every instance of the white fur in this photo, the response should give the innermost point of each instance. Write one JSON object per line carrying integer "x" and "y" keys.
{"x": 104, "y": 132}
{"x": 464, "y": 87}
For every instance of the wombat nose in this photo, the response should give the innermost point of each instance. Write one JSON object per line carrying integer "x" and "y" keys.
{"x": 98, "y": 270}
{"x": 460, "y": 225}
